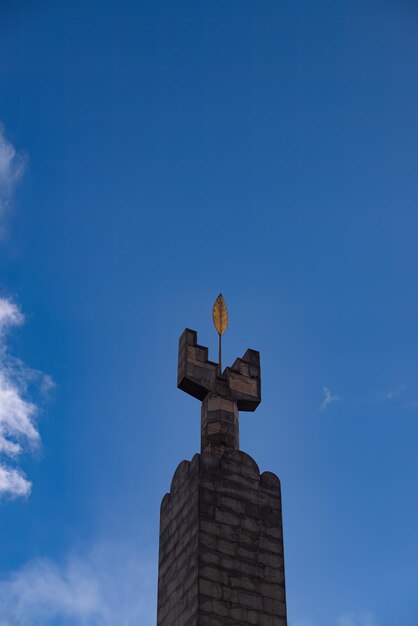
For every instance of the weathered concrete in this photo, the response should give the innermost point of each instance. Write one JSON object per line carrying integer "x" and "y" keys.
{"x": 221, "y": 545}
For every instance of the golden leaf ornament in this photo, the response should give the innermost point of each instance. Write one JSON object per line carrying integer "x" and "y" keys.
{"x": 220, "y": 315}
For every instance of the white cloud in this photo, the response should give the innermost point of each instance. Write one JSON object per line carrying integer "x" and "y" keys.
{"x": 12, "y": 165}
{"x": 394, "y": 393}
{"x": 13, "y": 482}
{"x": 329, "y": 398}
{"x": 18, "y": 428}
{"x": 106, "y": 586}
{"x": 10, "y": 315}
{"x": 16, "y": 416}
{"x": 359, "y": 618}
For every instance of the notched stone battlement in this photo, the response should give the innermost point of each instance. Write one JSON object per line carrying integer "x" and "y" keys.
{"x": 182, "y": 471}
{"x": 270, "y": 481}
{"x": 198, "y": 376}
{"x": 228, "y": 462}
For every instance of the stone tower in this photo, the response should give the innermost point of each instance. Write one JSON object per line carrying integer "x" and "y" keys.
{"x": 221, "y": 542}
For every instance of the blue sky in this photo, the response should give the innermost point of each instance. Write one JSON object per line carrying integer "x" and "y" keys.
{"x": 153, "y": 154}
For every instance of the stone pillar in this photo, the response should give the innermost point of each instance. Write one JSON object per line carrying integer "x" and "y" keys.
{"x": 220, "y": 430}
{"x": 221, "y": 545}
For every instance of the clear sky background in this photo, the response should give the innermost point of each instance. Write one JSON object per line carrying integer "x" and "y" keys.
{"x": 153, "y": 154}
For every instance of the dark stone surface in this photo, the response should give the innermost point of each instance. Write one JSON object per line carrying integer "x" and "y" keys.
{"x": 198, "y": 376}
{"x": 220, "y": 425}
{"x": 222, "y": 394}
{"x": 221, "y": 545}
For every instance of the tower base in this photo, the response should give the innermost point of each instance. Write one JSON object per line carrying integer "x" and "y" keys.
{"x": 221, "y": 545}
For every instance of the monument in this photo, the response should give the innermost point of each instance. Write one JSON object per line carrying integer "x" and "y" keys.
{"x": 221, "y": 557}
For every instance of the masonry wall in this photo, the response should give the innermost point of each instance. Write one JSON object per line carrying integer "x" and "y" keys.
{"x": 221, "y": 545}
{"x": 178, "y": 558}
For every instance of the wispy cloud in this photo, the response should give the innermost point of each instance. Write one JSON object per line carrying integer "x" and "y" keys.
{"x": 108, "y": 585}
{"x": 395, "y": 393}
{"x": 18, "y": 428}
{"x": 329, "y": 398}
{"x": 12, "y": 165}
{"x": 411, "y": 405}
{"x": 354, "y": 618}
{"x": 358, "y": 618}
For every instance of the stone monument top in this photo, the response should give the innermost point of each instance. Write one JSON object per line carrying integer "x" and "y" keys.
{"x": 223, "y": 393}
{"x": 221, "y": 557}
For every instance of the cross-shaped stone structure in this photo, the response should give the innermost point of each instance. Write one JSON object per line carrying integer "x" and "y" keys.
{"x": 223, "y": 394}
